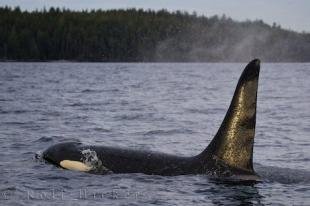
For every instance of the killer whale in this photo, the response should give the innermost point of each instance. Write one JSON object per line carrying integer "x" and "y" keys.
{"x": 228, "y": 156}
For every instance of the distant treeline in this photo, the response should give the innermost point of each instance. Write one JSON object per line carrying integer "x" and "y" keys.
{"x": 143, "y": 35}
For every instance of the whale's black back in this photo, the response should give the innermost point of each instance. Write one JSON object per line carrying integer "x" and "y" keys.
{"x": 229, "y": 153}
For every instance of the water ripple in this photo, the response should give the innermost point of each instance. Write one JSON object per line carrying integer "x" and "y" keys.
{"x": 172, "y": 108}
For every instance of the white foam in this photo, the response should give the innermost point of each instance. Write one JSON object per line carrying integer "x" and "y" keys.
{"x": 90, "y": 158}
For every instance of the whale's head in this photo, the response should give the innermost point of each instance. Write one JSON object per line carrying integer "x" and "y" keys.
{"x": 67, "y": 155}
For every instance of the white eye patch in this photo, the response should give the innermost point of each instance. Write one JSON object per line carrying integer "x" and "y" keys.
{"x": 75, "y": 165}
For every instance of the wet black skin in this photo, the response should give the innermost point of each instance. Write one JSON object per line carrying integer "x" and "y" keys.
{"x": 122, "y": 160}
{"x": 229, "y": 155}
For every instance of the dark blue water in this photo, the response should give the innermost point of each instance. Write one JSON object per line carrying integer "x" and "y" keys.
{"x": 172, "y": 108}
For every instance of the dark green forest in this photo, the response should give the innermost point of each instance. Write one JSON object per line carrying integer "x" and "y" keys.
{"x": 136, "y": 35}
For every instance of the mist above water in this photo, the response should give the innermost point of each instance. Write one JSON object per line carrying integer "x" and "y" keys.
{"x": 225, "y": 40}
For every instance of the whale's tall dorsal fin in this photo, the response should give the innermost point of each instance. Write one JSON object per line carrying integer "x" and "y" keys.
{"x": 233, "y": 143}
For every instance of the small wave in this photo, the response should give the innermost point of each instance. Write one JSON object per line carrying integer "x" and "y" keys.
{"x": 137, "y": 85}
{"x": 136, "y": 109}
{"x": 53, "y": 81}
{"x": 54, "y": 139}
{"x": 283, "y": 175}
{"x": 168, "y": 132}
{"x": 91, "y": 91}
{"x": 8, "y": 188}
{"x": 44, "y": 139}
{"x": 276, "y": 97}
{"x": 98, "y": 91}
{"x": 15, "y": 123}
{"x": 52, "y": 113}
{"x": 18, "y": 145}
{"x": 130, "y": 117}
{"x": 53, "y": 177}
{"x": 306, "y": 129}
{"x": 6, "y": 100}
{"x": 74, "y": 105}
{"x": 111, "y": 90}
{"x": 205, "y": 111}
{"x": 81, "y": 104}
{"x": 303, "y": 189}
{"x": 14, "y": 112}
{"x": 100, "y": 129}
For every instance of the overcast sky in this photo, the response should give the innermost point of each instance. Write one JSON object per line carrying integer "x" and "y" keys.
{"x": 290, "y": 14}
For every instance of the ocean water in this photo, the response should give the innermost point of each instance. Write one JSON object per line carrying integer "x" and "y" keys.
{"x": 166, "y": 107}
